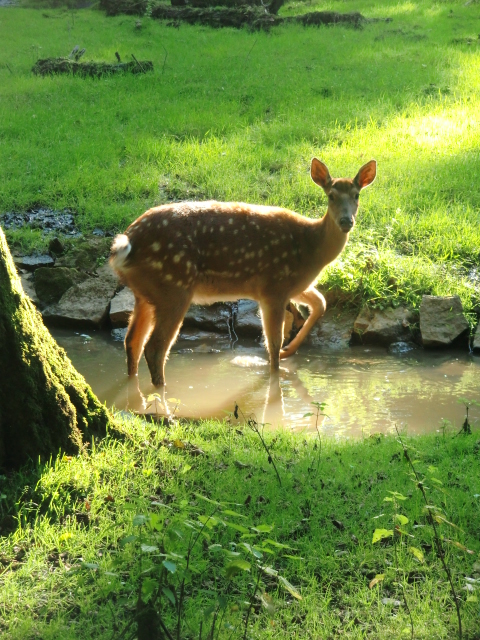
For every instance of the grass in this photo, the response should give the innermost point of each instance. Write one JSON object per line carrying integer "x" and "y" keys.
{"x": 237, "y": 116}
{"x": 234, "y": 115}
{"x": 73, "y": 565}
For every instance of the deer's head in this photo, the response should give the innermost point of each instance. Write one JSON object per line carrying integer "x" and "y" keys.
{"x": 343, "y": 193}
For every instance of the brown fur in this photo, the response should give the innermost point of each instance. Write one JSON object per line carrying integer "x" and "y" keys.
{"x": 206, "y": 252}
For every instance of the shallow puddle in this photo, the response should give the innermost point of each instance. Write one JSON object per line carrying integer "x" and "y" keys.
{"x": 365, "y": 389}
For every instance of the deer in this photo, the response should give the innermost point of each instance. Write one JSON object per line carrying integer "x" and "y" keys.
{"x": 205, "y": 252}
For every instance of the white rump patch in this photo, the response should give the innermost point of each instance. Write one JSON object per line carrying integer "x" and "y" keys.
{"x": 121, "y": 247}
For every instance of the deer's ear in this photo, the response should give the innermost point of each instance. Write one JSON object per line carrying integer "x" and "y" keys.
{"x": 320, "y": 174}
{"x": 366, "y": 175}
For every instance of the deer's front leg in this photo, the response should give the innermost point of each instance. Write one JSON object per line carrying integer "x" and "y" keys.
{"x": 273, "y": 318}
{"x": 317, "y": 305}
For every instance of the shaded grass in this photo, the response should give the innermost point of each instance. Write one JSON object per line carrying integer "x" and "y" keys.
{"x": 233, "y": 115}
{"x": 81, "y": 508}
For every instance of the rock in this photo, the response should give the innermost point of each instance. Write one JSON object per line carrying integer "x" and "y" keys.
{"x": 442, "y": 321}
{"x": 51, "y": 284}
{"x": 190, "y": 333}
{"x": 333, "y": 330}
{"x": 85, "y": 304}
{"x": 397, "y": 348}
{"x": 247, "y": 321}
{"x": 476, "y": 339}
{"x": 30, "y": 263}
{"x": 86, "y": 254}
{"x": 383, "y": 327}
{"x": 56, "y": 247}
{"x": 46, "y": 220}
{"x": 121, "y": 307}
{"x": 216, "y": 317}
{"x": 118, "y": 335}
{"x": 29, "y": 287}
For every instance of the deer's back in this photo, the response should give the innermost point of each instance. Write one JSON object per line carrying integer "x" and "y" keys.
{"x": 221, "y": 250}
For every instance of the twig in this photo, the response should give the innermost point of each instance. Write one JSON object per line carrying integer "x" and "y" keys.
{"x": 252, "y": 423}
{"x": 138, "y": 63}
{"x": 251, "y": 49}
{"x": 165, "y": 59}
{"x": 182, "y": 586}
{"x": 397, "y": 568}
{"x": 438, "y": 542}
{"x": 8, "y": 67}
{"x": 165, "y": 630}
{"x": 251, "y": 604}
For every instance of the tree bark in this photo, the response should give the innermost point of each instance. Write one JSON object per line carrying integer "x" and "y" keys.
{"x": 45, "y": 404}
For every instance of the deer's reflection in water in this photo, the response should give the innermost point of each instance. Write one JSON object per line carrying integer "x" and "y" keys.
{"x": 266, "y": 396}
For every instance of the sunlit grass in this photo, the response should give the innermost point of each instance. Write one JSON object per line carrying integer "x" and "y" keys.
{"x": 72, "y": 515}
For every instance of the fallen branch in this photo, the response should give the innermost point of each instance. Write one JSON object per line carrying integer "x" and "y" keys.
{"x": 52, "y": 66}
{"x": 251, "y": 16}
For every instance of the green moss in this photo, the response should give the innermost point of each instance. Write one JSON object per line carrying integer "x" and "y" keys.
{"x": 45, "y": 404}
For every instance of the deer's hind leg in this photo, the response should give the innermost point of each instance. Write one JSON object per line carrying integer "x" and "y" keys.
{"x": 140, "y": 325}
{"x": 171, "y": 304}
{"x": 317, "y": 305}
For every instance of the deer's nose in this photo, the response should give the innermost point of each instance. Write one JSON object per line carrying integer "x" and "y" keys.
{"x": 346, "y": 223}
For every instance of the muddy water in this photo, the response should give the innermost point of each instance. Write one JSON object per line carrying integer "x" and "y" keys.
{"x": 365, "y": 389}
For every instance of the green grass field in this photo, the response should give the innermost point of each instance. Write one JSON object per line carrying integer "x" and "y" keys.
{"x": 90, "y": 532}
{"x": 235, "y": 115}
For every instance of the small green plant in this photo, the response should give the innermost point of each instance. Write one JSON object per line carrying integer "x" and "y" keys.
{"x": 319, "y": 411}
{"x": 466, "y": 426}
{"x": 172, "y": 546}
{"x": 435, "y": 517}
{"x": 252, "y": 423}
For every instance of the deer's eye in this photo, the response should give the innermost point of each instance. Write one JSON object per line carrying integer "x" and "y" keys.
{"x": 357, "y": 195}
{"x": 331, "y": 197}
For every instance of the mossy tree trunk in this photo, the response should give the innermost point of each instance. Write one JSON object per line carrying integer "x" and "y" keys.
{"x": 45, "y": 404}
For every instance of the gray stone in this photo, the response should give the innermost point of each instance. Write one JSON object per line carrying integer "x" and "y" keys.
{"x": 28, "y": 287}
{"x": 85, "y": 304}
{"x": 373, "y": 326}
{"x": 30, "y": 263}
{"x": 51, "y": 284}
{"x": 216, "y": 317}
{"x": 121, "y": 307}
{"x": 442, "y": 321}
{"x": 118, "y": 335}
{"x": 397, "y": 348}
{"x": 247, "y": 319}
{"x": 476, "y": 340}
{"x": 86, "y": 254}
{"x": 333, "y": 330}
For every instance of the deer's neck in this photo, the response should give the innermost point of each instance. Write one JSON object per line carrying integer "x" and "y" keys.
{"x": 329, "y": 241}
